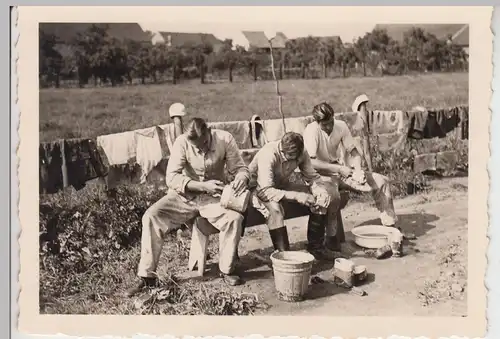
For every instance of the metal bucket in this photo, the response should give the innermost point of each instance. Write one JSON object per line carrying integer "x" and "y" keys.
{"x": 292, "y": 270}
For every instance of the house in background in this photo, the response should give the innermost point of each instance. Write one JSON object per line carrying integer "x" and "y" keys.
{"x": 457, "y": 33}
{"x": 180, "y": 39}
{"x": 258, "y": 40}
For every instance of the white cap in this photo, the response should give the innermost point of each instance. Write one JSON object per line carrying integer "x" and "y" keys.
{"x": 177, "y": 110}
{"x": 358, "y": 101}
{"x": 419, "y": 108}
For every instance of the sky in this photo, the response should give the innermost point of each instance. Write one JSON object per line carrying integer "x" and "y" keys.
{"x": 232, "y": 30}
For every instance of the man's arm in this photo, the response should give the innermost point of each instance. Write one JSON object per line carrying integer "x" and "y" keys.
{"x": 235, "y": 164}
{"x": 266, "y": 190}
{"x": 311, "y": 144}
{"x": 175, "y": 179}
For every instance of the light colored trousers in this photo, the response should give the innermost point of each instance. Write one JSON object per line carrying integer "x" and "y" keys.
{"x": 275, "y": 215}
{"x": 173, "y": 210}
{"x": 382, "y": 194}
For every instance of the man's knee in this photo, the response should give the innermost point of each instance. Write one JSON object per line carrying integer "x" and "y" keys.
{"x": 150, "y": 214}
{"x": 234, "y": 217}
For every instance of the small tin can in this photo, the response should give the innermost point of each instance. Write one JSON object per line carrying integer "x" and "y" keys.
{"x": 359, "y": 274}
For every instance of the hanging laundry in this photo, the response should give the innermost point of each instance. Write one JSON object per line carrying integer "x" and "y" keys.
{"x": 149, "y": 151}
{"x": 83, "y": 162}
{"x": 51, "y": 167}
{"x": 418, "y": 121}
{"x": 273, "y": 128}
{"x": 239, "y": 129}
{"x": 70, "y": 162}
{"x": 258, "y": 138}
{"x": 424, "y": 162}
{"x": 167, "y": 138}
{"x": 120, "y": 148}
{"x": 383, "y": 122}
{"x": 434, "y": 124}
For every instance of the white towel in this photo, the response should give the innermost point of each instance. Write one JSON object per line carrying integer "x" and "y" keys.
{"x": 149, "y": 151}
{"x": 120, "y": 148}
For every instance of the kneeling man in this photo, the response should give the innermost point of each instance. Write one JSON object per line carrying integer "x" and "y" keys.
{"x": 195, "y": 178}
{"x": 273, "y": 171}
{"x": 322, "y": 139}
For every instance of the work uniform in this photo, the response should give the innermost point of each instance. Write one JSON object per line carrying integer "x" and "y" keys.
{"x": 180, "y": 206}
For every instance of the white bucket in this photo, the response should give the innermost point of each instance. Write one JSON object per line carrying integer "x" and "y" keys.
{"x": 292, "y": 270}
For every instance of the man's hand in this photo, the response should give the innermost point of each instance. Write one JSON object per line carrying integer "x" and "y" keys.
{"x": 239, "y": 186}
{"x": 213, "y": 186}
{"x": 345, "y": 171}
{"x": 305, "y": 199}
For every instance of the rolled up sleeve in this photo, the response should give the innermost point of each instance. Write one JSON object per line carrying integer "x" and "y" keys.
{"x": 234, "y": 161}
{"x": 311, "y": 141}
{"x": 175, "y": 178}
{"x": 266, "y": 190}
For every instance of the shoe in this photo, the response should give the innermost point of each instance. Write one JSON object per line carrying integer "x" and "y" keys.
{"x": 143, "y": 283}
{"x": 231, "y": 279}
{"x": 279, "y": 237}
{"x": 333, "y": 243}
{"x": 316, "y": 237}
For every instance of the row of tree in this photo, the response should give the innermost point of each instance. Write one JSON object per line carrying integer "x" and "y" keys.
{"x": 97, "y": 56}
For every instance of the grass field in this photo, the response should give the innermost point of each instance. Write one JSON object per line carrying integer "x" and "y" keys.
{"x": 89, "y": 242}
{"x": 91, "y": 112}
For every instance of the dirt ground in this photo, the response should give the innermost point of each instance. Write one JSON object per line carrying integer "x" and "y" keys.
{"x": 430, "y": 279}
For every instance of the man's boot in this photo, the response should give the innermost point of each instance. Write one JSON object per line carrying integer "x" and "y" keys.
{"x": 279, "y": 237}
{"x": 333, "y": 243}
{"x": 316, "y": 237}
{"x": 141, "y": 285}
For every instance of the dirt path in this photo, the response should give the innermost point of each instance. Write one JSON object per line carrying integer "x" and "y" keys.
{"x": 429, "y": 280}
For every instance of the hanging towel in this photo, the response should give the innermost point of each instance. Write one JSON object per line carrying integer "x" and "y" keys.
{"x": 149, "y": 151}
{"x": 258, "y": 137}
{"x": 383, "y": 122}
{"x": 120, "y": 148}
{"x": 240, "y": 130}
{"x": 273, "y": 128}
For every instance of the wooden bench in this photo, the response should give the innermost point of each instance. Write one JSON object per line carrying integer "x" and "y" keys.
{"x": 202, "y": 229}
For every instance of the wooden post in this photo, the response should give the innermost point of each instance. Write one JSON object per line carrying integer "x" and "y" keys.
{"x": 366, "y": 135}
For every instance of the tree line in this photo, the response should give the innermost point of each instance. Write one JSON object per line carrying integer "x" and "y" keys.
{"x": 96, "y": 57}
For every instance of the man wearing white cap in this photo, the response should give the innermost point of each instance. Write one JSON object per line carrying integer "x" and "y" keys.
{"x": 195, "y": 178}
{"x": 323, "y": 138}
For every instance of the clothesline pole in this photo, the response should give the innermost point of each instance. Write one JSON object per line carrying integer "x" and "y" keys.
{"x": 280, "y": 107}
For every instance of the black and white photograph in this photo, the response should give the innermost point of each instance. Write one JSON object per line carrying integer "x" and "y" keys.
{"x": 257, "y": 168}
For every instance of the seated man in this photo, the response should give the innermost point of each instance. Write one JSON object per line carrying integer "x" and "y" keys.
{"x": 195, "y": 176}
{"x": 322, "y": 139}
{"x": 273, "y": 173}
